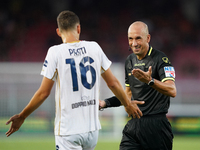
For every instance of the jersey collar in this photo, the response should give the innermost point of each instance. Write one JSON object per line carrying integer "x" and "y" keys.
{"x": 150, "y": 50}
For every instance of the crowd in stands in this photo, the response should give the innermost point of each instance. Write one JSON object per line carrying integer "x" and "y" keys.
{"x": 27, "y": 28}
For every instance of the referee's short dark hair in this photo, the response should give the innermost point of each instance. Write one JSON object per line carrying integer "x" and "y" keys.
{"x": 67, "y": 20}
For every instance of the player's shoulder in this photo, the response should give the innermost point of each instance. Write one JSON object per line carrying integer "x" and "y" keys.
{"x": 93, "y": 47}
{"x": 94, "y": 43}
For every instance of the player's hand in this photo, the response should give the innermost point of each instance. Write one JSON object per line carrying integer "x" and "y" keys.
{"x": 133, "y": 109}
{"x": 143, "y": 76}
{"x": 17, "y": 121}
{"x": 102, "y": 104}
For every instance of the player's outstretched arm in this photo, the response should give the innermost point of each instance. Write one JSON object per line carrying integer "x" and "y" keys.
{"x": 118, "y": 90}
{"x": 38, "y": 98}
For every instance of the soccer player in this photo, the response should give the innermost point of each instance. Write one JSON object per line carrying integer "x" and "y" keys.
{"x": 76, "y": 67}
{"x": 149, "y": 77}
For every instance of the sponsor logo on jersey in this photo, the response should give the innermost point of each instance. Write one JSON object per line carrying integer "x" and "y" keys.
{"x": 84, "y": 104}
{"x": 45, "y": 63}
{"x": 169, "y": 72}
{"x": 140, "y": 64}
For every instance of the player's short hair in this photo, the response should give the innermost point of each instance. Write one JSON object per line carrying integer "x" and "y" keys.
{"x": 67, "y": 20}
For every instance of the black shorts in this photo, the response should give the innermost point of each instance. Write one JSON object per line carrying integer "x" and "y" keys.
{"x": 147, "y": 133}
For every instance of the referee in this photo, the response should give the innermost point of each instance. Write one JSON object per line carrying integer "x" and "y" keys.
{"x": 149, "y": 77}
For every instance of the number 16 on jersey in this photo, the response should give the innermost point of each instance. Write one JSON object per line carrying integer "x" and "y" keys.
{"x": 83, "y": 70}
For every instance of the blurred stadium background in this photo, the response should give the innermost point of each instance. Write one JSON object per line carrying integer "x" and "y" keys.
{"x": 27, "y": 30}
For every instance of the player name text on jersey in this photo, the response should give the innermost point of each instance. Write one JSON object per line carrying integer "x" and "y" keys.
{"x": 77, "y": 52}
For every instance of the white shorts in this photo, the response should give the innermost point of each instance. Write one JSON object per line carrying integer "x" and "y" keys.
{"x": 84, "y": 141}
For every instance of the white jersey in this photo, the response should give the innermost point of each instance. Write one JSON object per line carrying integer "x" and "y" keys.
{"x": 76, "y": 68}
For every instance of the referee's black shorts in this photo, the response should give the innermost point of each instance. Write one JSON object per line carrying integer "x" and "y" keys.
{"x": 147, "y": 133}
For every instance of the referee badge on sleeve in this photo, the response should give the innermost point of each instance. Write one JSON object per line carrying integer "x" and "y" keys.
{"x": 169, "y": 72}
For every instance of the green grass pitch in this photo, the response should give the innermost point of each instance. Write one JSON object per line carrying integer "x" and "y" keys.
{"x": 46, "y": 142}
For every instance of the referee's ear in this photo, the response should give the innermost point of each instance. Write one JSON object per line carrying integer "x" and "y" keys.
{"x": 148, "y": 38}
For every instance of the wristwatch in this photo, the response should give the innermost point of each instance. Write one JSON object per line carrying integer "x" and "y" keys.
{"x": 151, "y": 82}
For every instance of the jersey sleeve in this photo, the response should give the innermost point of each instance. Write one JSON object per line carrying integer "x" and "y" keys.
{"x": 165, "y": 69}
{"x": 49, "y": 69}
{"x": 105, "y": 62}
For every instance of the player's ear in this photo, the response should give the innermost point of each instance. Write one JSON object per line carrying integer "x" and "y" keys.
{"x": 79, "y": 29}
{"x": 58, "y": 32}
